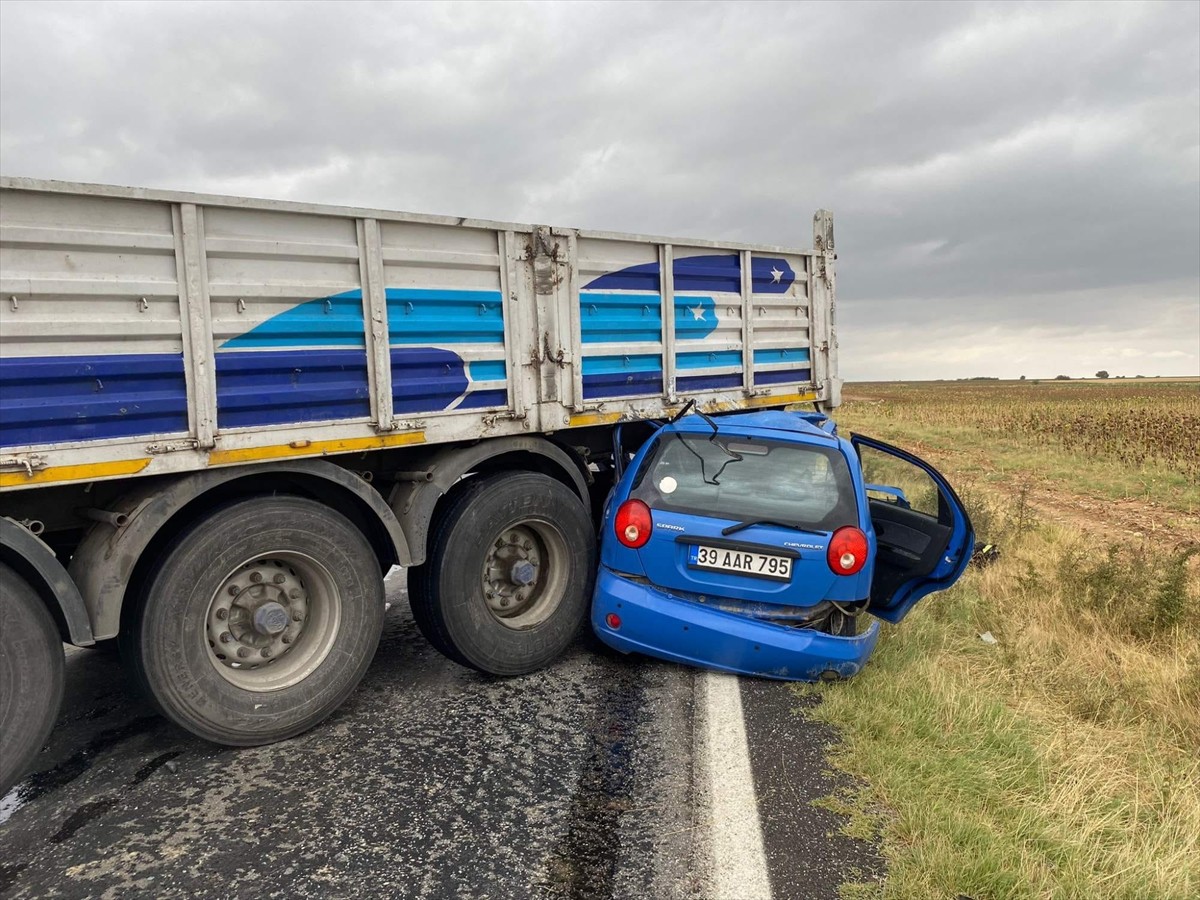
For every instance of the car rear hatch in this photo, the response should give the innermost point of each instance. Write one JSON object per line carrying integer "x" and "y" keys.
{"x": 703, "y": 489}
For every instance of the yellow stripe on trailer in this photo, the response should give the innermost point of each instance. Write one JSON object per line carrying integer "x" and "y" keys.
{"x": 718, "y": 406}
{"x": 85, "y": 472}
{"x": 782, "y": 399}
{"x": 313, "y": 448}
{"x": 594, "y": 418}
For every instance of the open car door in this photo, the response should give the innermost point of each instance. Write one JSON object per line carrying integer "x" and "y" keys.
{"x": 923, "y": 535}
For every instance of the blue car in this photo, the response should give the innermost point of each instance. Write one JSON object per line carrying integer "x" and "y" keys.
{"x": 760, "y": 543}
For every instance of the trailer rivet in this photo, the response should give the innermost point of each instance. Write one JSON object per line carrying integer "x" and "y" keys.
{"x": 256, "y": 577}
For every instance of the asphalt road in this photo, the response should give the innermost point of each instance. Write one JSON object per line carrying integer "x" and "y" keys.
{"x": 597, "y": 778}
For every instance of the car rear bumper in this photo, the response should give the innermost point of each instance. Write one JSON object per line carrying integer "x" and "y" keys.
{"x": 657, "y": 624}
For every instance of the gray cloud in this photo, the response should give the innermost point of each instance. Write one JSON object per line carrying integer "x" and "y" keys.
{"x": 1016, "y": 187}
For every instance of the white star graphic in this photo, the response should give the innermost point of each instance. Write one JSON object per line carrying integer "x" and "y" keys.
{"x": 697, "y": 313}
{"x": 775, "y": 275}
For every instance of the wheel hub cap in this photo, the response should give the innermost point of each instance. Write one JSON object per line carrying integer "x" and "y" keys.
{"x": 512, "y": 571}
{"x": 523, "y": 573}
{"x": 258, "y": 614}
{"x": 271, "y": 618}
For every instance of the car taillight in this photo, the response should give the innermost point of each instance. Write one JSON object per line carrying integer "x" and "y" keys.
{"x": 633, "y": 523}
{"x": 847, "y": 551}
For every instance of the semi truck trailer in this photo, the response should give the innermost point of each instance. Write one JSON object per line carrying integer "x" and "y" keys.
{"x": 223, "y": 420}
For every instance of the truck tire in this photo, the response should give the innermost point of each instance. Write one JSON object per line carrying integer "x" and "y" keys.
{"x": 31, "y": 676}
{"x": 257, "y": 621}
{"x": 508, "y": 576}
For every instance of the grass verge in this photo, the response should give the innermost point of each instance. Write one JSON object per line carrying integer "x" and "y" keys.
{"x": 1060, "y": 762}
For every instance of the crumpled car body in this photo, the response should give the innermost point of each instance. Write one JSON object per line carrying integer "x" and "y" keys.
{"x": 762, "y": 543}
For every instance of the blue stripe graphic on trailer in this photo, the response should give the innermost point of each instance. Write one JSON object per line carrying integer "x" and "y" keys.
{"x": 434, "y": 316}
{"x": 644, "y": 278}
{"x": 787, "y": 376}
{"x": 709, "y": 273}
{"x": 277, "y": 387}
{"x": 716, "y": 272}
{"x": 622, "y": 376}
{"x": 481, "y": 399}
{"x": 622, "y": 384}
{"x": 708, "y": 359}
{"x": 791, "y": 355}
{"x": 708, "y": 382}
{"x": 329, "y": 321}
{"x": 53, "y": 399}
{"x": 415, "y": 316}
{"x": 606, "y": 365}
{"x": 426, "y": 379}
{"x": 695, "y": 317}
{"x": 770, "y": 275}
{"x": 615, "y": 318}
{"x": 487, "y": 370}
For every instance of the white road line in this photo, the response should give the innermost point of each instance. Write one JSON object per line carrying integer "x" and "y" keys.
{"x": 739, "y": 865}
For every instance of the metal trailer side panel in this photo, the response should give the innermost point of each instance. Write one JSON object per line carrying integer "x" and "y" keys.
{"x": 148, "y": 332}
{"x": 93, "y": 345}
{"x": 678, "y": 320}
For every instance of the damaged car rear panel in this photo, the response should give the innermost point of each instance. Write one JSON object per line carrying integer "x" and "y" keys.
{"x": 749, "y": 544}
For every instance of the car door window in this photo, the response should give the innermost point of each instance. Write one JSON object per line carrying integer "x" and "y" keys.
{"x": 922, "y": 531}
{"x": 914, "y": 489}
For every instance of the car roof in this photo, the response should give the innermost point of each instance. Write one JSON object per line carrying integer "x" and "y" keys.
{"x": 766, "y": 423}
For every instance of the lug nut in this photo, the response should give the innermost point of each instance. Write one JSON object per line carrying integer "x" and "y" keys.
{"x": 233, "y": 590}
{"x": 243, "y": 652}
{"x": 296, "y": 617}
{"x": 286, "y": 639}
{"x": 504, "y": 601}
{"x": 279, "y": 578}
{"x": 226, "y": 637}
{"x": 256, "y": 577}
{"x": 265, "y": 653}
{"x": 222, "y": 614}
{"x": 295, "y": 594}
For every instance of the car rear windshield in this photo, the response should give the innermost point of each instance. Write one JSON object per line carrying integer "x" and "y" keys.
{"x": 743, "y": 478}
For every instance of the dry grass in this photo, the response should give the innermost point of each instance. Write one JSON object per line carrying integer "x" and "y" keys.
{"x": 1117, "y": 439}
{"x": 1063, "y": 761}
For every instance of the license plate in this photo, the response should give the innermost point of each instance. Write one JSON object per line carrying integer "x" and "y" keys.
{"x": 760, "y": 565}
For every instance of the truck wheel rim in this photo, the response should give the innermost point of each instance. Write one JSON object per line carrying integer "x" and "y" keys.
{"x": 525, "y": 573}
{"x": 273, "y": 620}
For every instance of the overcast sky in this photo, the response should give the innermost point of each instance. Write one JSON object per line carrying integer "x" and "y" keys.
{"x": 1016, "y": 188}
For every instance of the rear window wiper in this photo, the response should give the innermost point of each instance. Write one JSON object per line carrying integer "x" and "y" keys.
{"x": 740, "y": 525}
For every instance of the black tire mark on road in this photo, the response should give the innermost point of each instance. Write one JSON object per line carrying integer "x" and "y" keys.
{"x": 583, "y": 865}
